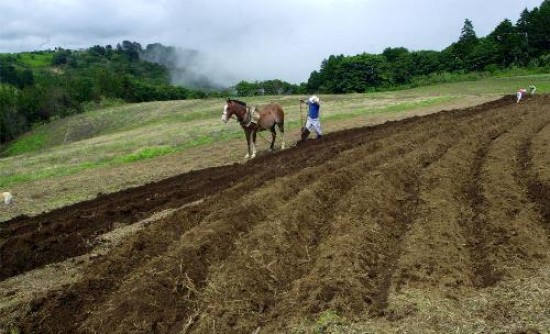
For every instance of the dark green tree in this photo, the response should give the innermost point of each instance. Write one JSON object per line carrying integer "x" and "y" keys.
{"x": 466, "y": 44}
{"x": 510, "y": 43}
{"x": 425, "y": 62}
{"x": 12, "y": 122}
{"x": 484, "y": 54}
{"x": 393, "y": 54}
{"x": 400, "y": 64}
{"x": 538, "y": 29}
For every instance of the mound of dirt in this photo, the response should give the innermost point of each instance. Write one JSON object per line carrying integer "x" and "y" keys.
{"x": 432, "y": 221}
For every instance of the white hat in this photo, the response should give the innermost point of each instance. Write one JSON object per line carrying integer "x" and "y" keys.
{"x": 314, "y": 99}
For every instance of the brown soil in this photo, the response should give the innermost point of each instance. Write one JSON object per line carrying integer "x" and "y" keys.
{"x": 440, "y": 206}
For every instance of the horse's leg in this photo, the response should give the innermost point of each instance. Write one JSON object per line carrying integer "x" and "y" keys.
{"x": 282, "y": 130}
{"x": 273, "y": 136}
{"x": 248, "y": 143}
{"x": 253, "y": 144}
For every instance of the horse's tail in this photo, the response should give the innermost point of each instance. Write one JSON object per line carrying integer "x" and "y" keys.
{"x": 281, "y": 124}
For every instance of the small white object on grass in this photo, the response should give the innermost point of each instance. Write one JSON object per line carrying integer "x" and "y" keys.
{"x": 7, "y": 196}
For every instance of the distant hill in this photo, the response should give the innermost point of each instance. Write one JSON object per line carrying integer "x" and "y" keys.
{"x": 41, "y": 85}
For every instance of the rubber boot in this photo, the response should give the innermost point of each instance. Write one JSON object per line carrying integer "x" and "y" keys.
{"x": 305, "y": 134}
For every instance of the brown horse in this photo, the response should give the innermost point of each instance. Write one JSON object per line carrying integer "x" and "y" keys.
{"x": 252, "y": 121}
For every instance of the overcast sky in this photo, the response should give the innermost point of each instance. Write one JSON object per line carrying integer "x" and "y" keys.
{"x": 252, "y": 39}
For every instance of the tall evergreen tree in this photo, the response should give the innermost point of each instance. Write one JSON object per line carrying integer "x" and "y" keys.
{"x": 467, "y": 41}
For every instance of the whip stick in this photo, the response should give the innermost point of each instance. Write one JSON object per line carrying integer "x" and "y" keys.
{"x": 301, "y": 117}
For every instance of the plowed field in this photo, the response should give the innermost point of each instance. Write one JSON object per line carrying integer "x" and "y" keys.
{"x": 438, "y": 223}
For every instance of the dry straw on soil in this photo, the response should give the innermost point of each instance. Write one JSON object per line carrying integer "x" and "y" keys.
{"x": 431, "y": 224}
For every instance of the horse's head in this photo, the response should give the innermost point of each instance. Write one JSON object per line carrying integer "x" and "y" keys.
{"x": 233, "y": 107}
{"x": 226, "y": 110}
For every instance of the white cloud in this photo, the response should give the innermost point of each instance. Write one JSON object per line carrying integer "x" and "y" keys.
{"x": 252, "y": 40}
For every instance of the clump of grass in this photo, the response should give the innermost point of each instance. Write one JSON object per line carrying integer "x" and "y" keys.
{"x": 30, "y": 143}
{"x": 325, "y": 320}
{"x": 15, "y": 330}
{"x": 147, "y": 153}
{"x": 103, "y": 104}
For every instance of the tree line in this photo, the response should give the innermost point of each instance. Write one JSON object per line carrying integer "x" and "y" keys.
{"x": 524, "y": 44}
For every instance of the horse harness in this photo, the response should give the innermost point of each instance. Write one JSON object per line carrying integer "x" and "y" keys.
{"x": 250, "y": 117}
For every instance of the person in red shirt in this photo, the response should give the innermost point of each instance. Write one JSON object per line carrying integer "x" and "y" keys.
{"x": 520, "y": 94}
{"x": 522, "y": 91}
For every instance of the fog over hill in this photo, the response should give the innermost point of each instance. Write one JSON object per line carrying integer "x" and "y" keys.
{"x": 189, "y": 67}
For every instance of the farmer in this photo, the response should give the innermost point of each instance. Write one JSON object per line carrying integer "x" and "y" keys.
{"x": 312, "y": 122}
{"x": 520, "y": 94}
{"x": 522, "y": 91}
